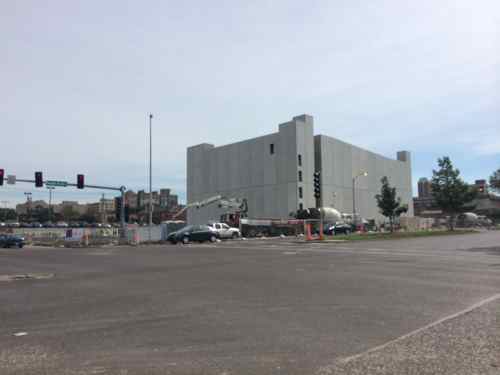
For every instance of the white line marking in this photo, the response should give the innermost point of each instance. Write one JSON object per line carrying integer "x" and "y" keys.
{"x": 431, "y": 325}
{"x": 392, "y": 252}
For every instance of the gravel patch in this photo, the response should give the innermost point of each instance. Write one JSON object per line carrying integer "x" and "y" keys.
{"x": 468, "y": 344}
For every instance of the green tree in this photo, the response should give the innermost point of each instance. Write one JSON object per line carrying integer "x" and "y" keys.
{"x": 451, "y": 193}
{"x": 495, "y": 180}
{"x": 69, "y": 214}
{"x": 87, "y": 218}
{"x": 41, "y": 215}
{"x": 388, "y": 204}
{"x": 7, "y": 214}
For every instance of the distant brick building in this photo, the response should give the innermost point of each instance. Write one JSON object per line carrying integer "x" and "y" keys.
{"x": 424, "y": 188}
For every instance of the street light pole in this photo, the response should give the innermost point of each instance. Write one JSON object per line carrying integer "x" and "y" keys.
{"x": 353, "y": 198}
{"x": 354, "y": 194}
{"x": 150, "y": 174}
{"x": 50, "y": 202}
{"x": 28, "y": 202}
{"x": 122, "y": 211}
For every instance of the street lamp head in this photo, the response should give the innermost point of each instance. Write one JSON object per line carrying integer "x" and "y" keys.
{"x": 361, "y": 173}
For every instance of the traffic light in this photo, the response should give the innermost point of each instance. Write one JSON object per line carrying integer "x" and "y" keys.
{"x": 317, "y": 185}
{"x": 80, "y": 181}
{"x": 38, "y": 179}
{"x": 1, "y": 176}
{"x": 118, "y": 207}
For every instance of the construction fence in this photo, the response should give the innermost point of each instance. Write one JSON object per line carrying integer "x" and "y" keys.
{"x": 66, "y": 236}
{"x": 136, "y": 234}
{"x": 75, "y": 237}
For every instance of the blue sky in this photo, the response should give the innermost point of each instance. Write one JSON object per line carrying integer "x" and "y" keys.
{"x": 79, "y": 79}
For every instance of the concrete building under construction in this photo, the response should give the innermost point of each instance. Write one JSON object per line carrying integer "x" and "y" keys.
{"x": 275, "y": 174}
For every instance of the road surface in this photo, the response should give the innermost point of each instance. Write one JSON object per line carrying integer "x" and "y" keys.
{"x": 419, "y": 306}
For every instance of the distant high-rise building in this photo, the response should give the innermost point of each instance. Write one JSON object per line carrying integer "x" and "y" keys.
{"x": 141, "y": 197}
{"x": 164, "y": 194}
{"x": 424, "y": 188}
{"x": 131, "y": 199}
{"x": 163, "y": 200}
{"x": 172, "y": 202}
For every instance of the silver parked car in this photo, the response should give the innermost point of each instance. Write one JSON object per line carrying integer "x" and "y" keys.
{"x": 224, "y": 230}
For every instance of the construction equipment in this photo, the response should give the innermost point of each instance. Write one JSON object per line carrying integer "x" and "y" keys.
{"x": 237, "y": 209}
{"x": 198, "y": 204}
{"x": 237, "y": 205}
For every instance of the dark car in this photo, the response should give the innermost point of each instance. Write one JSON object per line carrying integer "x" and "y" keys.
{"x": 7, "y": 240}
{"x": 193, "y": 233}
{"x": 340, "y": 228}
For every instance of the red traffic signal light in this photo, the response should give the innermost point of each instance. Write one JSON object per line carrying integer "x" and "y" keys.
{"x": 38, "y": 179}
{"x": 80, "y": 181}
{"x": 1, "y": 176}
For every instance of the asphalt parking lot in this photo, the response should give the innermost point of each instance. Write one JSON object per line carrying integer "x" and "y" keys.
{"x": 420, "y": 306}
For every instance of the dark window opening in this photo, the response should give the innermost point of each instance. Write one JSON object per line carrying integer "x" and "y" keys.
{"x": 300, "y": 160}
{"x": 301, "y": 206}
{"x": 300, "y": 176}
{"x": 300, "y": 192}
{"x": 271, "y": 148}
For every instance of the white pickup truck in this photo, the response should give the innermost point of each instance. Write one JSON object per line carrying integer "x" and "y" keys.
{"x": 224, "y": 230}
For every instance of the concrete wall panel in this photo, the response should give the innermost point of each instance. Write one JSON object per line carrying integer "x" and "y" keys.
{"x": 340, "y": 162}
{"x": 270, "y": 182}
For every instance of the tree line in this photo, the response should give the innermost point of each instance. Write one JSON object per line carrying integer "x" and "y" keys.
{"x": 450, "y": 192}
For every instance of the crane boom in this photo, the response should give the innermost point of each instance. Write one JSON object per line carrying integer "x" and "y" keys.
{"x": 237, "y": 204}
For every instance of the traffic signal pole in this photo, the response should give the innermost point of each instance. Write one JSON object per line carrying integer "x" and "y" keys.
{"x": 122, "y": 211}
{"x": 121, "y": 189}
{"x": 321, "y": 230}
{"x": 317, "y": 195}
{"x": 70, "y": 184}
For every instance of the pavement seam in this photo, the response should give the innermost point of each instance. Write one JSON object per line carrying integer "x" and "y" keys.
{"x": 421, "y": 329}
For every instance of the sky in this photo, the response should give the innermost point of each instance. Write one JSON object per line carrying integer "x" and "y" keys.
{"x": 79, "y": 79}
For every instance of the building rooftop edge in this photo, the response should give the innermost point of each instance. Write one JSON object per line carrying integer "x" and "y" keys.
{"x": 361, "y": 148}
{"x": 302, "y": 117}
{"x": 233, "y": 143}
